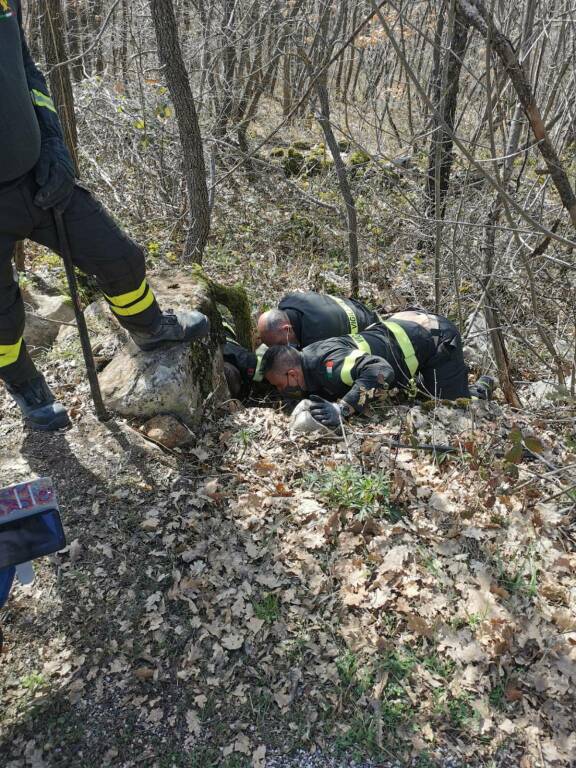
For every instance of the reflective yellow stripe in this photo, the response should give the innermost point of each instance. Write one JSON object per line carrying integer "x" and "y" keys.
{"x": 40, "y": 99}
{"x": 127, "y": 298}
{"x": 260, "y": 352}
{"x": 9, "y": 353}
{"x": 135, "y": 309}
{"x": 352, "y": 319}
{"x": 405, "y": 345}
{"x": 350, "y": 360}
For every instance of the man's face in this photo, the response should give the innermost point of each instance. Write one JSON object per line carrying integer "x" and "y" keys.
{"x": 290, "y": 382}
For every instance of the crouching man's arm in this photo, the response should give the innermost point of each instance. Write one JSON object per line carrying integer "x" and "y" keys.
{"x": 368, "y": 375}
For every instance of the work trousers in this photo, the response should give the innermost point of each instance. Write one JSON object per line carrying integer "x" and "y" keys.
{"x": 99, "y": 248}
{"x": 444, "y": 374}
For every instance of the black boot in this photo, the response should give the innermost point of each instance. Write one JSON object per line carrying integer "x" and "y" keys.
{"x": 483, "y": 388}
{"x": 37, "y": 404}
{"x": 173, "y": 327}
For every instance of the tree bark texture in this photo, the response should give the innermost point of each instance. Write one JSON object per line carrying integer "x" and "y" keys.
{"x": 170, "y": 55}
{"x": 324, "y": 120}
{"x": 445, "y": 101}
{"x": 53, "y": 26}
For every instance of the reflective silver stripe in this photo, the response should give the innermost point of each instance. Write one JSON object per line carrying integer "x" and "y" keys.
{"x": 352, "y": 319}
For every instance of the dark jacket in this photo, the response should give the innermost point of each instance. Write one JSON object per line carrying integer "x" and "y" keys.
{"x": 317, "y": 316}
{"x": 344, "y": 368}
{"x": 241, "y": 358}
{"x": 27, "y": 115}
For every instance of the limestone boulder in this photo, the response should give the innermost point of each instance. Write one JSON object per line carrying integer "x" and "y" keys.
{"x": 45, "y": 316}
{"x": 177, "y": 379}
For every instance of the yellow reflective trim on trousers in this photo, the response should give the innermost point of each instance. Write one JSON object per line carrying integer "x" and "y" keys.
{"x": 352, "y": 319}
{"x": 135, "y": 309}
{"x": 405, "y": 345}
{"x": 350, "y": 360}
{"x": 127, "y": 298}
{"x": 9, "y": 353}
{"x": 40, "y": 99}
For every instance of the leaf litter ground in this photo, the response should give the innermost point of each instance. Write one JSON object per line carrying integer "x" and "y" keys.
{"x": 335, "y": 600}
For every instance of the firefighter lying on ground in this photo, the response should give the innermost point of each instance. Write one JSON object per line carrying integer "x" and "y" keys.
{"x": 306, "y": 317}
{"x": 352, "y": 369}
{"x": 301, "y": 319}
{"x": 36, "y": 175}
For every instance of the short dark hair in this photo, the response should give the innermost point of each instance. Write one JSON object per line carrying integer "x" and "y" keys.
{"x": 280, "y": 357}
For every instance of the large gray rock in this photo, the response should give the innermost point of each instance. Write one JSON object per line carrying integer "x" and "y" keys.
{"x": 176, "y": 379}
{"x": 44, "y": 318}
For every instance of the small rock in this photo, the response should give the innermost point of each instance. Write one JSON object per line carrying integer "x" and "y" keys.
{"x": 44, "y": 318}
{"x": 167, "y": 431}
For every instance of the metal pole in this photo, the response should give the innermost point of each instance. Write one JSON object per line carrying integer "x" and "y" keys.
{"x": 66, "y": 254}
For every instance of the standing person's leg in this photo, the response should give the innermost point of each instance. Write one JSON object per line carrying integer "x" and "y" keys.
{"x": 445, "y": 374}
{"x": 21, "y": 377}
{"x": 100, "y": 248}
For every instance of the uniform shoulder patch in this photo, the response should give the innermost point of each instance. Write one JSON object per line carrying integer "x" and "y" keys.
{"x": 329, "y": 368}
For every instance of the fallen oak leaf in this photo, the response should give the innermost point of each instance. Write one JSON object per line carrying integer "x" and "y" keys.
{"x": 193, "y": 723}
{"x": 233, "y": 641}
{"x": 513, "y": 694}
{"x": 259, "y": 757}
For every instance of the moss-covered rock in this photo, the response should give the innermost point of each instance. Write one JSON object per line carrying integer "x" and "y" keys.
{"x": 179, "y": 378}
{"x": 277, "y": 152}
{"x": 235, "y": 299}
{"x": 344, "y": 145}
{"x": 359, "y": 158}
{"x": 293, "y": 163}
{"x": 305, "y": 145}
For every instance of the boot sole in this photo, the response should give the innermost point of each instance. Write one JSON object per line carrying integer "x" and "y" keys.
{"x": 52, "y": 426}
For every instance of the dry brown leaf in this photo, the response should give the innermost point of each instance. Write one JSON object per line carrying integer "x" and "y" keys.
{"x": 513, "y": 694}
{"x": 144, "y": 673}
{"x": 419, "y": 626}
{"x": 233, "y": 641}
{"x": 155, "y": 715}
{"x": 193, "y": 723}
{"x": 394, "y": 559}
{"x": 259, "y": 757}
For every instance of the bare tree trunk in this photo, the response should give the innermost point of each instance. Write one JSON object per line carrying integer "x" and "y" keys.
{"x": 170, "y": 56}
{"x": 53, "y": 26}
{"x": 324, "y": 120}
{"x": 74, "y": 40}
{"x": 445, "y": 89}
{"x": 491, "y": 312}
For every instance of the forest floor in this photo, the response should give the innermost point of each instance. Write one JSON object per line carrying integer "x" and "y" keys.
{"x": 257, "y": 600}
{"x": 256, "y": 595}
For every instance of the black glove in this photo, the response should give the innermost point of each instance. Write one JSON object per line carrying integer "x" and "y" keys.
{"x": 54, "y": 175}
{"x": 326, "y": 413}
